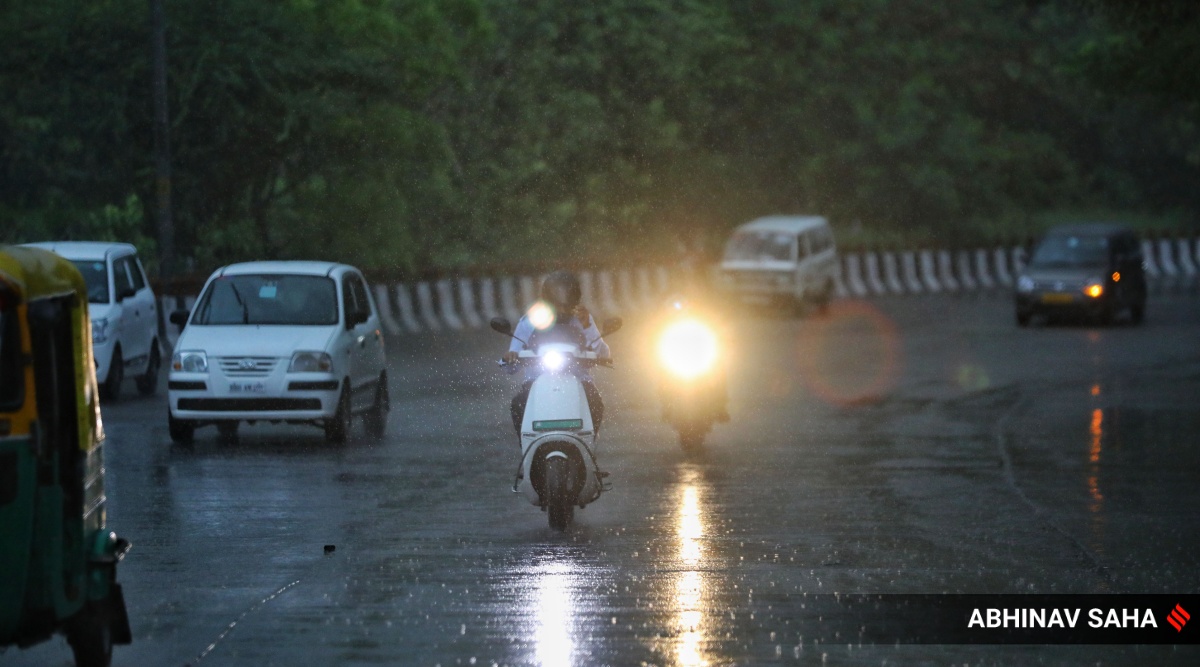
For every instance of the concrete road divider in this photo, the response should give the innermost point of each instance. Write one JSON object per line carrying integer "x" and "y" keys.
{"x": 456, "y": 303}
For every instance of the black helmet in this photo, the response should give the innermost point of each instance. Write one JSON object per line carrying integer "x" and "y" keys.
{"x": 560, "y": 289}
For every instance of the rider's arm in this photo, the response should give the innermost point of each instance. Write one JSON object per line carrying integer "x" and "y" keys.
{"x": 592, "y": 335}
{"x": 522, "y": 332}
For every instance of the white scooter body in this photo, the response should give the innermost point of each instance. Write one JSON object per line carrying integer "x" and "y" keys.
{"x": 558, "y": 423}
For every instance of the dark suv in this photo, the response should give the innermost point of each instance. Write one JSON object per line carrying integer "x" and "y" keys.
{"x": 1092, "y": 270}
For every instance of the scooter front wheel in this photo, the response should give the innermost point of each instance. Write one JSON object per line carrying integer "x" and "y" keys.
{"x": 560, "y": 506}
{"x": 691, "y": 435}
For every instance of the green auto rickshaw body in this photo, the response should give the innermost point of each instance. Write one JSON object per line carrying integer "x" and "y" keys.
{"x": 57, "y": 558}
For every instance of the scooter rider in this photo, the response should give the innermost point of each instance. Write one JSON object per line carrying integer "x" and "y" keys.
{"x": 561, "y": 293}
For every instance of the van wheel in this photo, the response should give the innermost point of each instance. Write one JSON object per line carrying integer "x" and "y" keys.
{"x": 181, "y": 430}
{"x": 90, "y": 637}
{"x": 337, "y": 428}
{"x": 821, "y": 302}
{"x": 147, "y": 384}
{"x": 227, "y": 431}
{"x": 376, "y": 418}
{"x": 111, "y": 391}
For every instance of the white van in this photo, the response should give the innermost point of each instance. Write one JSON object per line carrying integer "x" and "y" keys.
{"x": 123, "y": 309}
{"x": 781, "y": 259}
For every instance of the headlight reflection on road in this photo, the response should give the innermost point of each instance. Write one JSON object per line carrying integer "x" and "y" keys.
{"x": 690, "y": 584}
{"x": 1095, "y": 497}
{"x": 555, "y": 614}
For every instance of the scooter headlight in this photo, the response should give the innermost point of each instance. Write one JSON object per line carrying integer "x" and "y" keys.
{"x": 688, "y": 348}
{"x": 554, "y": 360}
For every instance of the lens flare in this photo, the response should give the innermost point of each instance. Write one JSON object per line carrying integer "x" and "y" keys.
{"x": 688, "y": 348}
{"x": 541, "y": 315}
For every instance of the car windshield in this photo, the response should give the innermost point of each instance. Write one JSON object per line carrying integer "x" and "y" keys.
{"x": 1069, "y": 251}
{"x": 268, "y": 299}
{"x": 760, "y": 246}
{"x": 95, "y": 275}
{"x": 10, "y": 368}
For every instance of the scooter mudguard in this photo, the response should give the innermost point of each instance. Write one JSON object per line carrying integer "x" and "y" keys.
{"x": 555, "y": 400}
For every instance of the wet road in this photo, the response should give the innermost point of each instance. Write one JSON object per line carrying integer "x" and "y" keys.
{"x": 916, "y": 445}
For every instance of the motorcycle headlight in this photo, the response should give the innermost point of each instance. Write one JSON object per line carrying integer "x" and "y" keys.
{"x": 100, "y": 331}
{"x": 554, "y": 360}
{"x": 688, "y": 348}
{"x": 310, "y": 362}
{"x": 1025, "y": 284}
{"x": 1094, "y": 288}
{"x": 190, "y": 361}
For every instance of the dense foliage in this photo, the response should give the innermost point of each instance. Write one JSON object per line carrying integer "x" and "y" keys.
{"x": 414, "y": 134}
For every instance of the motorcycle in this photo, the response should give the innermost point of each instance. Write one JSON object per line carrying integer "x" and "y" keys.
{"x": 692, "y": 384}
{"x": 558, "y": 440}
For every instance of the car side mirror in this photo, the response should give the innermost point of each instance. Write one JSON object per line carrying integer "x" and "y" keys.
{"x": 611, "y": 326}
{"x": 125, "y": 294}
{"x": 501, "y": 325}
{"x": 179, "y": 317}
{"x": 355, "y": 318}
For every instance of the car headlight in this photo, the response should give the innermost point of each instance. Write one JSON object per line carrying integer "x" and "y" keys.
{"x": 1025, "y": 284}
{"x": 1094, "y": 288}
{"x": 688, "y": 348}
{"x": 190, "y": 361}
{"x": 554, "y": 360}
{"x": 311, "y": 362}
{"x": 100, "y": 330}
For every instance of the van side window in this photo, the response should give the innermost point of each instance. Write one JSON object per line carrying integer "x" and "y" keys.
{"x": 135, "y": 272}
{"x": 121, "y": 280}
{"x": 350, "y": 304}
{"x": 360, "y": 296}
{"x": 802, "y": 247}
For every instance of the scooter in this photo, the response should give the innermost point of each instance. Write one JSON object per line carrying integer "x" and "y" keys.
{"x": 558, "y": 440}
{"x": 692, "y": 383}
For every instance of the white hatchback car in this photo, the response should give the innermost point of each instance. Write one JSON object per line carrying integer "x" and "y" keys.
{"x": 295, "y": 342}
{"x": 124, "y": 313}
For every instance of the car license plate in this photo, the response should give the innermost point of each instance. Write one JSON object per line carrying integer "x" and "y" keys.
{"x": 1057, "y": 297}
{"x": 247, "y": 388}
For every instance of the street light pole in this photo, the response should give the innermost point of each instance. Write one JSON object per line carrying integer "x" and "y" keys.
{"x": 162, "y": 144}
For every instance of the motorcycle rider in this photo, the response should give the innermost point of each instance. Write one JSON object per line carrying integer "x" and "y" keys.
{"x": 561, "y": 292}
{"x": 680, "y": 307}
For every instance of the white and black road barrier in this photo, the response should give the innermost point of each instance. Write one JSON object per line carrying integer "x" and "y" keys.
{"x": 469, "y": 303}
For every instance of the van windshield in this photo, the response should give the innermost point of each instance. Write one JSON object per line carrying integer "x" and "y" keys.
{"x": 95, "y": 276}
{"x": 1070, "y": 251}
{"x": 268, "y": 299}
{"x": 759, "y": 246}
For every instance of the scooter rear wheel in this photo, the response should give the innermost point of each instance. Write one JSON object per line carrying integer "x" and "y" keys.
{"x": 560, "y": 506}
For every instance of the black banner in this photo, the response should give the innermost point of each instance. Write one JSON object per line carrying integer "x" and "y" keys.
{"x": 998, "y": 619}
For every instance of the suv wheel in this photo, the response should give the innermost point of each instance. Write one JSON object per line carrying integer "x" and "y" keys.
{"x": 147, "y": 383}
{"x": 181, "y": 430}
{"x": 111, "y": 390}
{"x": 337, "y": 428}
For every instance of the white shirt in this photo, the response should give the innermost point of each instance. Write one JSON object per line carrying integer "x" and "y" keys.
{"x": 591, "y": 334}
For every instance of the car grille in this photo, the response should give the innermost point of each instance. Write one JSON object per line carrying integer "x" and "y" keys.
{"x": 247, "y": 404}
{"x": 247, "y": 367}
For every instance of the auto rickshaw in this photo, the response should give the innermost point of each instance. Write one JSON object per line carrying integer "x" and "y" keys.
{"x": 58, "y": 561}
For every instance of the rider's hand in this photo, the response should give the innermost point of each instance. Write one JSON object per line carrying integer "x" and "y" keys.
{"x": 584, "y": 317}
{"x": 509, "y": 357}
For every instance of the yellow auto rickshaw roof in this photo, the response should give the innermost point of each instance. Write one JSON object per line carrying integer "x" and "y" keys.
{"x": 33, "y": 273}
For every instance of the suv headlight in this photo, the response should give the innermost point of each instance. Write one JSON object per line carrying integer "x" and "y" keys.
{"x": 1025, "y": 284}
{"x": 311, "y": 362}
{"x": 1094, "y": 288}
{"x": 100, "y": 331}
{"x": 190, "y": 361}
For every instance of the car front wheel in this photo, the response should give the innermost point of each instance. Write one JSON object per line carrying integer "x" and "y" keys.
{"x": 337, "y": 428}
